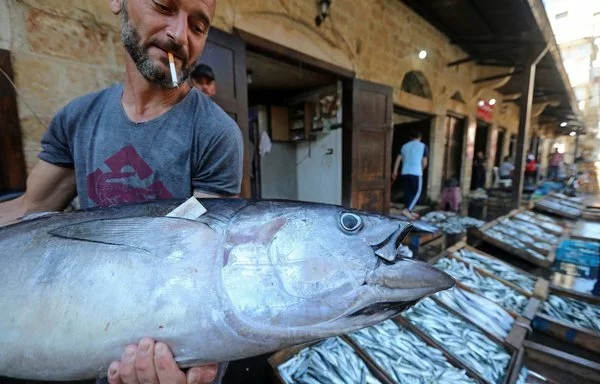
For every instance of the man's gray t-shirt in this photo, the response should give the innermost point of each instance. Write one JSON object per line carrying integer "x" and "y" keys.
{"x": 195, "y": 146}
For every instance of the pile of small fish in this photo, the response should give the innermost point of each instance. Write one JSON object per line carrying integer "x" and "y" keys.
{"x": 532, "y": 230}
{"x": 558, "y": 207}
{"x": 542, "y": 221}
{"x": 510, "y": 240}
{"x": 330, "y": 361}
{"x": 521, "y": 236}
{"x": 405, "y": 357}
{"x": 492, "y": 289}
{"x": 575, "y": 311}
{"x": 503, "y": 270}
{"x": 463, "y": 340}
{"x": 451, "y": 223}
{"x": 483, "y": 312}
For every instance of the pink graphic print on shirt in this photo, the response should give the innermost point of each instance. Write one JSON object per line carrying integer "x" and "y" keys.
{"x": 127, "y": 181}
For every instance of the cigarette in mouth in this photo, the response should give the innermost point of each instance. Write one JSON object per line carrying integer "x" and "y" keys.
{"x": 173, "y": 72}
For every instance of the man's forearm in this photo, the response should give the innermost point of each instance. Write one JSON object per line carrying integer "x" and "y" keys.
{"x": 11, "y": 210}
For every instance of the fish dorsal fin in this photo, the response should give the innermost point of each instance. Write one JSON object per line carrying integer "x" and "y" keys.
{"x": 144, "y": 233}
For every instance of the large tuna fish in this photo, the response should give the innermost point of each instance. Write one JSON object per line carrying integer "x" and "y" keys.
{"x": 244, "y": 279}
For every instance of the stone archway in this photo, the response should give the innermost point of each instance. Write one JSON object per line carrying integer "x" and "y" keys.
{"x": 415, "y": 83}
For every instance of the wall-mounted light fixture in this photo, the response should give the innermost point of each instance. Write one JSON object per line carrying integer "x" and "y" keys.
{"x": 492, "y": 102}
{"x": 323, "y": 11}
{"x": 572, "y": 133}
{"x": 563, "y": 124}
{"x": 423, "y": 54}
{"x": 481, "y": 103}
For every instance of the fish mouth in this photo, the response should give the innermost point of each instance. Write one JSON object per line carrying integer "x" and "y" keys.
{"x": 395, "y": 287}
{"x": 389, "y": 248}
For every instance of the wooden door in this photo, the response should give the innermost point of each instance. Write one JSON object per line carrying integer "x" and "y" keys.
{"x": 226, "y": 55}
{"x": 367, "y": 143}
{"x": 12, "y": 161}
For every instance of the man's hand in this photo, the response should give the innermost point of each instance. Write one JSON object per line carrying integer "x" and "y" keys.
{"x": 153, "y": 363}
{"x": 394, "y": 176}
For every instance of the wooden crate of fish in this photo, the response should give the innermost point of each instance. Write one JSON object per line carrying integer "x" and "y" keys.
{"x": 332, "y": 360}
{"x": 525, "y": 240}
{"x": 482, "y": 353}
{"x": 408, "y": 358}
{"x": 518, "y": 279}
{"x": 509, "y": 296}
{"x": 538, "y": 363}
{"x": 558, "y": 207}
{"x": 570, "y": 320}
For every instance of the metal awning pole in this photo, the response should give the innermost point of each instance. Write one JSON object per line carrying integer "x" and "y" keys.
{"x": 525, "y": 107}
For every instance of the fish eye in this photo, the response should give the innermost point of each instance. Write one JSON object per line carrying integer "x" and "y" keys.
{"x": 350, "y": 222}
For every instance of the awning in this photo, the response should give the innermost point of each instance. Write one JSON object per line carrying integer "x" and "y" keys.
{"x": 504, "y": 34}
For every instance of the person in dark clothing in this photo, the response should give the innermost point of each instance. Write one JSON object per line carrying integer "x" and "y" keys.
{"x": 479, "y": 170}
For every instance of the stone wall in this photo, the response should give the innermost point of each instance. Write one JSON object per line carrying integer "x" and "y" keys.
{"x": 61, "y": 50}
{"x": 64, "y": 48}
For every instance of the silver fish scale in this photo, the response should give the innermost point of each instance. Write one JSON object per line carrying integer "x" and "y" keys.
{"x": 498, "y": 268}
{"x": 405, "y": 357}
{"x": 492, "y": 289}
{"x": 540, "y": 221}
{"x": 510, "y": 240}
{"x": 532, "y": 229}
{"x": 465, "y": 341}
{"x": 329, "y": 361}
{"x": 575, "y": 311}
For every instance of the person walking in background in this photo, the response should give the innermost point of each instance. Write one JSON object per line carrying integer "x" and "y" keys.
{"x": 530, "y": 169}
{"x": 413, "y": 156}
{"x": 556, "y": 158}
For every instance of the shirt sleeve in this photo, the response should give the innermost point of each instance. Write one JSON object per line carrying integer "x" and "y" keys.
{"x": 56, "y": 148}
{"x": 219, "y": 170}
{"x": 425, "y": 151}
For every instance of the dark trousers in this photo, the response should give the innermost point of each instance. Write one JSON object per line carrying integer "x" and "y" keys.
{"x": 411, "y": 187}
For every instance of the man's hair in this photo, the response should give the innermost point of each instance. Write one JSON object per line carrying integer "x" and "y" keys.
{"x": 202, "y": 70}
{"x": 506, "y": 158}
{"x": 415, "y": 134}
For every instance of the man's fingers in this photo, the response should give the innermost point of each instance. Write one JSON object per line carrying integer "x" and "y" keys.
{"x": 166, "y": 367}
{"x": 144, "y": 362}
{"x": 202, "y": 375}
{"x": 113, "y": 373}
{"x": 127, "y": 365}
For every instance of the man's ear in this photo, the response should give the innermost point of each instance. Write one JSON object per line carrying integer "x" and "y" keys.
{"x": 115, "y": 6}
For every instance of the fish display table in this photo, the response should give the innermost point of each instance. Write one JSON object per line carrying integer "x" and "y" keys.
{"x": 537, "y": 363}
{"x": 525, "y": 234}
{"x": 559, "y": 206}
{"x": 575, "y": 321}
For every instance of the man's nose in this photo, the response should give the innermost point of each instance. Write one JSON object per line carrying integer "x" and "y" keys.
{"x": 178, "y": 29}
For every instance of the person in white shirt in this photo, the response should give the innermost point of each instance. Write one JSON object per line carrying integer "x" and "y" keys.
{"x": 506, "y": 169}
{"x": 413, "y": 156}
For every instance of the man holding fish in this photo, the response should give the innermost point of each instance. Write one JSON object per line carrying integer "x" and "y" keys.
{"x": 152, "y": 137}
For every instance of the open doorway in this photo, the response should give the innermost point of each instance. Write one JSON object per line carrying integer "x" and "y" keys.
{"x": 453, "y": 149}
{"x": 481, "y": 141}
{"x": 500, "y": 147}
{"x": 295, "y": 121}
{"x": 405, "y": 123}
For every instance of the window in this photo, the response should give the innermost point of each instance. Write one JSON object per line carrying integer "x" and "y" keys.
{"x": 561, "y": 15}
{"x": 416, "y": 83}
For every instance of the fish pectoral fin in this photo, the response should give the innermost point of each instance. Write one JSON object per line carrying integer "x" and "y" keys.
{"x": 145, "y": 233}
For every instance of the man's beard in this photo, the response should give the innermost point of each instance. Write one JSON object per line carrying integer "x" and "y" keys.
{"x": 150, "y": 69}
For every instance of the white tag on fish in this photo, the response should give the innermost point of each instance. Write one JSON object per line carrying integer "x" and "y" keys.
{"x": 190, "y": 209}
